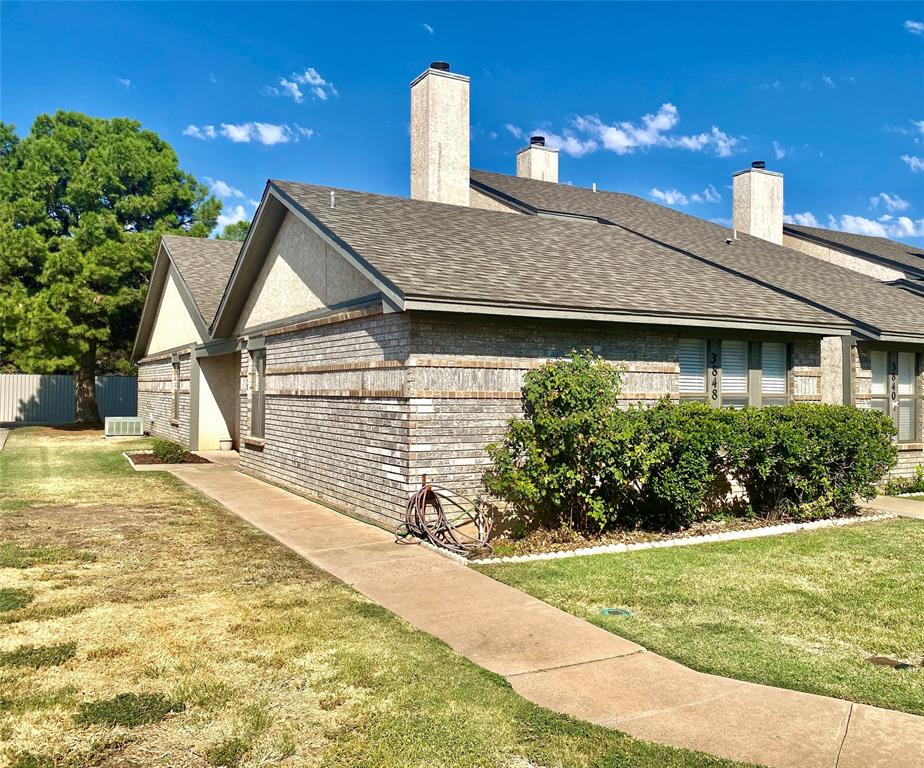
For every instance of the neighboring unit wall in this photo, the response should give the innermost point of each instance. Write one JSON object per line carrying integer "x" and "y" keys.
{"x": 481, "y": 200}
{"x": 910, "y": 455}
{"x": 173, "y": 325}
{"x": 302, "y": 273}
{"x": 841, "y": 258}
{"x": 155, "y": 397}
{"x": 336, "y": 419}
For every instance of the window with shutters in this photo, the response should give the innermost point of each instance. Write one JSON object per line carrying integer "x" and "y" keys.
{"x": 257, "y": 392}
{"x": 734, "y": 373}
{"x": 692, "y": 381}
{"x": 894, "y": 390}
{"x": 175, "y": 416}
{"x": 734, "y": 362}
{"x": 774, "y": 368}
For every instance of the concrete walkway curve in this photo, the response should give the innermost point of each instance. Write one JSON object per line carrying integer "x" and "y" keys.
{"x": 562, "y": 662}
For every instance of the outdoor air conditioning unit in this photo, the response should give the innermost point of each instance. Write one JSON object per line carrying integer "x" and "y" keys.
{"x": 124, "y": 426}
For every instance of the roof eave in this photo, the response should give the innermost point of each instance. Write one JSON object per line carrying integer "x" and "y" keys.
{"x": 435, "y": 304}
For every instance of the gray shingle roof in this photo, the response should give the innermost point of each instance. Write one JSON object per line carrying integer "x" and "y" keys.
{"x": 900, "y": 255}
{"x": 452, "y": 253}
{"x": 879, "y": 307}
{"x": 205, "y": 266}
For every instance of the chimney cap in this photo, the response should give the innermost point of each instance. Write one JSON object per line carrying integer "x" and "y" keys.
{"x": 442, "y": 66}
{"x": 537, "y": 141}
{"x": 759, "y": 164}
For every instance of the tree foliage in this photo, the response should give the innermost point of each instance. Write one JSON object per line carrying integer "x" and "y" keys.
{"x": 82, "y": 203}
{"x": 235, "y": 231}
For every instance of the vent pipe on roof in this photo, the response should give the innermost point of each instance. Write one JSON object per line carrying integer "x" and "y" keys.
{"x": 757, "y": 202}
{"x": 537, "y": 161}
{"x": 440, "y": 136}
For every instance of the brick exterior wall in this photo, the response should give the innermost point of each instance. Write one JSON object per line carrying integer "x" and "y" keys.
{"x": 357, "y": 408}
{"x": 155, "y": 397}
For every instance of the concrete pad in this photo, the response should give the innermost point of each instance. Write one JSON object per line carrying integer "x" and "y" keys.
{"x": 385, "y": 560}
{"x": 519, "y": 639}
{"x": 656, "y": 699}
{"x": 618, "y": 689}
{"x": 785, "y": 729}
{"x": 882, "y": 738}
{"x": 896, "y": 505}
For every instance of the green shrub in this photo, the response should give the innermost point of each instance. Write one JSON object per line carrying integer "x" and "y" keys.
{"x": 128, "y": 709}
{"x": 803, "y": 460}
{"x": 553, "y": 465}
{"x": 898, "y": 485}
{"x": 168, "y": 452}
{"x": 577, "y": 459}
{"x": 685, "y": 464}
{"x": 227, "y": 754}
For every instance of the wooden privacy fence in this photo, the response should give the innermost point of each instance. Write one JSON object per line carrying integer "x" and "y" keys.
{"x": 45, "y": 399}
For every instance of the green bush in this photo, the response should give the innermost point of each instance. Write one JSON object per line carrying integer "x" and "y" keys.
{"x": 559, "y": 463}
{"x": 805, "y": 460}
{"x": 899, "y": 485}
{"x": 168, "y": 452}
{"x": 577, "y": 459}
{"x": 684, "y": 473}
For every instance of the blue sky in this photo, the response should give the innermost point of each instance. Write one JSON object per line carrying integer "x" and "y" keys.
{"x": 660, "y": 100}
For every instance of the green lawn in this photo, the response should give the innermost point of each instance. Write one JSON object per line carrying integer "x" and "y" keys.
{"x": 143, "y": 625}
{"x": 799, "y": 611}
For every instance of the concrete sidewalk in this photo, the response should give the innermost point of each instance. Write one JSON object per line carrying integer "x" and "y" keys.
{"x": 897, "y": 505}
{"x": 566, "y": 664}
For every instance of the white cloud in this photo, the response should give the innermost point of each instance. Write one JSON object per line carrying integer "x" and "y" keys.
{"x": 517, "y": 132}
{"x": 197, "y": 132}
{"x": 915, "y": 163}
{"x": 222, "y": 188}
{"x": 914, "y": 27}
{"x": 779, "y": 150}
{"x": 255, "y": 131}
{"x": 890, "y": 202}
{"x": 919, "y": 125}
{"x": 321, "y": 88}
{"x": 805, "y": 219}
{"x": 212, "y": 78}
{"x": 428, "y": 28}
{"x": 124, "y": 82}
{"x": 252, "y": 202}
{"x": 569, "y": 143}
{"x": 653, "y": 130}
{"x": 827, "y": 80}
{"x": 886, "y": 226}
{"x": 291, "y": 89}
{"x": 237, "y": 214}
{"x": 674, "y": 197}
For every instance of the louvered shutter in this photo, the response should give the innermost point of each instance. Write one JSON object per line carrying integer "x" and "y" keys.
{"x": 734, "y": 368}
{"x": 692, "y": 366}
{"x": 773, "y": 366}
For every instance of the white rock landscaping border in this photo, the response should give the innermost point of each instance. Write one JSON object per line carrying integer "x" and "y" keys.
{"x": 751, "y": 533}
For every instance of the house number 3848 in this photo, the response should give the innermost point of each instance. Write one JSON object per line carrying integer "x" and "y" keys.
{"x": 714, "y": 376}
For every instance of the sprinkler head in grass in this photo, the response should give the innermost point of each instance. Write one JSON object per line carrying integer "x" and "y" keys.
{"x": 615, "y": 612}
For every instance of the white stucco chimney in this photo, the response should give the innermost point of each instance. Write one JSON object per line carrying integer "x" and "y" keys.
{"x": 440, "y": 136}
{"x": 757, "y": 202}
{"x": 537, "y": 161}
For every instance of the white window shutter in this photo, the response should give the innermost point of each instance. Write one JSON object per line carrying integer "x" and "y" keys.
{"x": 734, "y": 367}
{"x": 692, "y": 366}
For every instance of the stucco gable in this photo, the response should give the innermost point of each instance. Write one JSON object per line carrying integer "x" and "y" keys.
{"x": 301, "y": 273}
{"x": 173, "y": 324}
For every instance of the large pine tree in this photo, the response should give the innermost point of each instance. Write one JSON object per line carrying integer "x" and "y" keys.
{"x": 82, "y": 203}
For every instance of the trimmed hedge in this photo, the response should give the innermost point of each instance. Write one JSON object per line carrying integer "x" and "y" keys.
{"x": 578, "y": 459}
